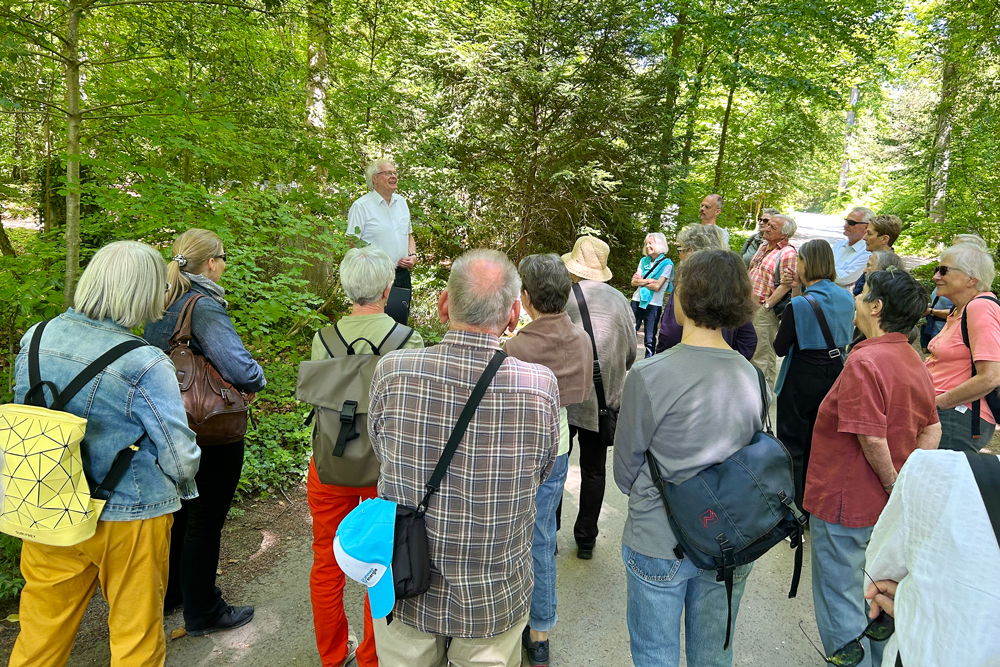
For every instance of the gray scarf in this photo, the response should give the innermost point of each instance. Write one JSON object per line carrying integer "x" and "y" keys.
{"x": 214, "y": 290}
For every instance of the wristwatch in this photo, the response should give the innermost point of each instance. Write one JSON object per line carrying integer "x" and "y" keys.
{"x": 766, "y": 305}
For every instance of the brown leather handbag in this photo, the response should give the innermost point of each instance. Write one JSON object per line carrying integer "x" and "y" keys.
{"x": 217, "y": 412}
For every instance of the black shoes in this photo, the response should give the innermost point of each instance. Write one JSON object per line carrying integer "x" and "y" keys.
{"x": 538, "y": 652}
{"x": 234, "y": 617}
{"x": 584, "y": 551}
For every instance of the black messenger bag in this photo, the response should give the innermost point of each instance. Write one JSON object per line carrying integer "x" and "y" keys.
{"x": 607, "y": 417}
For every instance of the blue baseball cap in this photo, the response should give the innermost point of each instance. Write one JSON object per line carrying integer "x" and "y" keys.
{"x": 363, "y": 548}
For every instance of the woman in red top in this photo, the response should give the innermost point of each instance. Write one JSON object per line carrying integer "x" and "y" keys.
{"x": 965, "y": 275}
{"x": 857, "y": 449}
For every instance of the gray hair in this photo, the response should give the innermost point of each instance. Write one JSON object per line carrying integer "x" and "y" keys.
{"x": 973, "y": 261}
{"x": 974, "y": 239}
{"x": 365, "y": 273}
{"x": 886, "y": 258}
{"x": 482, "y": 288}
{"x": 772, "y": 211}
{"x": 701, "y": 237}
{"x": 547, "y": 282}
{"x": 788, "y": 225}
{"x": 720, "y": 201}
{"x": 867, "y": 213}
{"x": 659, "y": 241}
{"x": 124, "y": 282}
{"x": 372, "y": 169}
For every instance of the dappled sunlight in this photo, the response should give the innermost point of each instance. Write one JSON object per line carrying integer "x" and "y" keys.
{"x": 268, "y": 541}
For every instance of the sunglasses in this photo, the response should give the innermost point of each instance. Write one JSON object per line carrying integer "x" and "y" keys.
{"x": 764, "y": 220}
{"x": 854, "y": 223}
{"x": 853, "y": 652}
{"x": 222, "y": 257}
{"x": 943, "y": 270}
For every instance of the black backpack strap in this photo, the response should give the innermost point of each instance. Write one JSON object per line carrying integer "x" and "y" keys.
{"x": 463, "y": 423}
{"x": 118, "y": 468}
{"x": 986, "y": 470}
{"x": 335, "y": 346}
{"x": 978, "y": 402}
{"x": 36, "y": 392}
{"x": 397, "y": 337}
{"x": 831, "y": 345}
{"x": 602, "y": 404}
{"x": 765, "y": 414}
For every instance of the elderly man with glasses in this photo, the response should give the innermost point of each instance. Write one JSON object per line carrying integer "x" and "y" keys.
{"x": 850, "y": 254}
{"x": 381, "y": 218}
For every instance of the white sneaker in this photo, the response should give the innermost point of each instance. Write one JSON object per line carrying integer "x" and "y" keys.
{"x": 352, "y": 649}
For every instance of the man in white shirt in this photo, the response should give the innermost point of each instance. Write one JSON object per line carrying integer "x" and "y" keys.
{"x": 850, "y": 255}
{"x": 935, "y": 539}
{"x": 711, "y": 207}
{"x": 382, "y": 219}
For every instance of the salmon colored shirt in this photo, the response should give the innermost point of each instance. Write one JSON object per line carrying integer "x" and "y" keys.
{"x": 950, "y": 362}
{"x": 884, "y": 391}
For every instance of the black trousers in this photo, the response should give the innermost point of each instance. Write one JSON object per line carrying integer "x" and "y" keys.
{"x": 593, "y": 471}
{"x": 196, "y": 536}
{"x": 806, "y": 385}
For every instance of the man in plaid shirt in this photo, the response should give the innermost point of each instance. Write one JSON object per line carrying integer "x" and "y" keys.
{"x": 480, "y": 522}
{"x": 767, "y": 268}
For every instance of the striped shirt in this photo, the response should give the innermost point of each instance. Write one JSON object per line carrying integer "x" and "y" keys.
{"x": 480, "y": 523}
{"x": 762, "y": 268}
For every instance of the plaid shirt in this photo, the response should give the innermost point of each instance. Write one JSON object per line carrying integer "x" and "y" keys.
{"x": 481, "y": 521}
{"x": 763, "y": 264}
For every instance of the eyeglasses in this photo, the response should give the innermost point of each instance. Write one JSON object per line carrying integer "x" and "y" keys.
{"x": 222, "y": 257}
{"x": 854, "y": 223}
{"x": 853, "y": 652}
{"x": 387, "y": 173}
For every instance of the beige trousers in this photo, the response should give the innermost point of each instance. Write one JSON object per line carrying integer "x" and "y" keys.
{"x": 766, "y": 325}
{"x": 399, "y": 645}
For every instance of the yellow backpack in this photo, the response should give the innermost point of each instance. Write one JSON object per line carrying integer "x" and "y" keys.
{"x": 46, "y": 494}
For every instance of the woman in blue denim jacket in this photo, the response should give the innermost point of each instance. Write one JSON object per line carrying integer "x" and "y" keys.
{"x": 198, "y": 261}
{"x": 135, "y": 400}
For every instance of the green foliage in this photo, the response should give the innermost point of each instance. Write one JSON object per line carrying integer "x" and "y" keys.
{"x": 11, "y": 581}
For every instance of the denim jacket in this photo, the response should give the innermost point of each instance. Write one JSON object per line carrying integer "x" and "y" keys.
{"x": 135, "y": 399}
{"x": 214, "y": 337}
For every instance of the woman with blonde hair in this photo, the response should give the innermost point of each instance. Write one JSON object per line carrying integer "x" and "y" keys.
{"x": 195, "y": 268}
{"x": 135, "y": 399}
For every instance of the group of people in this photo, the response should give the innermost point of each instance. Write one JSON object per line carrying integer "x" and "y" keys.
{"x": 855, "y": 401}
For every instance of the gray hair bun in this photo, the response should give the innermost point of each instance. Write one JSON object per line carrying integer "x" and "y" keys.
{"x": 181, "y": 260}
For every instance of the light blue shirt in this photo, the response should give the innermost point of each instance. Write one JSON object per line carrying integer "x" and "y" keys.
{"x": 850, "y": 261}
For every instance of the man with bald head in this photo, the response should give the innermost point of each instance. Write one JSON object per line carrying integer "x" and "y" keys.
{"x": 381, "y": 218}
{"x": 711, "y": 207}
{"x": 480, "y": 521}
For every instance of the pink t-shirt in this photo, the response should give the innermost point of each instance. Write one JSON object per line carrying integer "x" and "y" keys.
{"x": 950, "y": 363}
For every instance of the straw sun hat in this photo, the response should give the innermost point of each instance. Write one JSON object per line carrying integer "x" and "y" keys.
{"x": 589, "y": 259}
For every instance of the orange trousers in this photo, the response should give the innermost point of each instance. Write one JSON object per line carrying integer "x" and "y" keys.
{"x": 328, "y": 505}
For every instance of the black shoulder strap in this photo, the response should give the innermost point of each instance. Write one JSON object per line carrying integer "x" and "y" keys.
{"x": 976, "y": 405}
{"x": 650, "y": 270}
{"x": 460, "y": 426}
{"x": 35, "y": 395}
{"x": 831, "y": 345}
{"x": 986, "y": 469}
{"x": 777, "y": 269}
{"x": 765, "y": 415}
{"x": 602, "y": 404}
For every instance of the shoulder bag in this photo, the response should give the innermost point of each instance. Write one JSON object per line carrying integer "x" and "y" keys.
{"x": 992, "y": 399}
{"x": 607, "y": 417}
{"x": 831, "y": 345}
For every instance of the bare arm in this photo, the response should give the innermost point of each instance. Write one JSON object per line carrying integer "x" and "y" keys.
{"x": 876, "y": 451}
{"x": 987, "y": 378}
{"x": 929, "y": 437}
{"x": 656, "y": 285}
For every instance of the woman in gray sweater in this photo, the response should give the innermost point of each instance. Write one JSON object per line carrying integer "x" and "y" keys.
{"x": 692, "y": 406}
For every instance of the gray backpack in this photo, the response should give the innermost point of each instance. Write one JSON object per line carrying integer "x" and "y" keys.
{"x": 337, "y": 388}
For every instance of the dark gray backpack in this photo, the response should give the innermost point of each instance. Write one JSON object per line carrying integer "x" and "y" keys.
{"x": 733, "y": 512}
{"x": 337, "y": 388}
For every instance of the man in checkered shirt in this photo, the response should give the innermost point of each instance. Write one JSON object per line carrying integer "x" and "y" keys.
{"x": 479, "y": 524}
{"x": 771, "y": 272}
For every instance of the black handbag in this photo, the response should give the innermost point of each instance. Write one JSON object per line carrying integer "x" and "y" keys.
{"x": 411, "y": 563}
{"x": 779, "y": 307}
{"x": 607, "y": 417}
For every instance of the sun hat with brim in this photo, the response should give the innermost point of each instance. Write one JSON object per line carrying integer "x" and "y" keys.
{"x": 589, "y": 259}
{"x": 363, "y": 548}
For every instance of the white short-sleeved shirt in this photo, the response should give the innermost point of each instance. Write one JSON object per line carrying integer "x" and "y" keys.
{"x": 386, "y": 226}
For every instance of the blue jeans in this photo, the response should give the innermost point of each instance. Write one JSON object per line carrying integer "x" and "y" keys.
{"x": 650, "y": 317}
{"x": 838, "y": 583}
{"x": 659, "y": 589}
{"x": 543, "y": 547}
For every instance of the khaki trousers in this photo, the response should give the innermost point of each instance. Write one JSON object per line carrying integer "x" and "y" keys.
{"x": 765, "y": 323}
{"x": 130, "y": 559}
{"x": 399, "y": 645}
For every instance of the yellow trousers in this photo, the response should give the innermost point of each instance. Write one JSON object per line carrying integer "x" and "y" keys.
{"x": 130, "y": 560}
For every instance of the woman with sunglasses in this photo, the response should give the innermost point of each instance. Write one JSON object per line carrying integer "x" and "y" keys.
{"x": 965, "y": 275}
{"x": 198, "y": 262}
{"x": 878, "y": 411}
{"x": 751, "y": 244}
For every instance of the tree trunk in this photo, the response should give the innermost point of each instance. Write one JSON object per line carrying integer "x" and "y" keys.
{"x": 317, "y": 62}
{"x": 725, "y": 121}
{"x": 73, "y": 122}
{"x": 47, "y": 195}
{"x": 845, "y": 167}
{"x": 669, "y": 113}
{"x": 936, "y": 184}
{"x": 692, "y": 106}
{"x": 6, "y": 248}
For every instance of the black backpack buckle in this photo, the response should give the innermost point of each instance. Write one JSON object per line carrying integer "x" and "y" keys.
{"x": 349, "y": 411}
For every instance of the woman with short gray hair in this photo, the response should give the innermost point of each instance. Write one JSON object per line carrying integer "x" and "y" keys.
{"x": 965, "y": 374}
{"x": 652, "y": 283}
{"x": 134, "y": 400}
{"x": 690, "y": 240}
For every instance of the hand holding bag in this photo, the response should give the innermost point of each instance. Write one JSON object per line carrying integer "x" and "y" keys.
{"x": 217, "y": 412}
